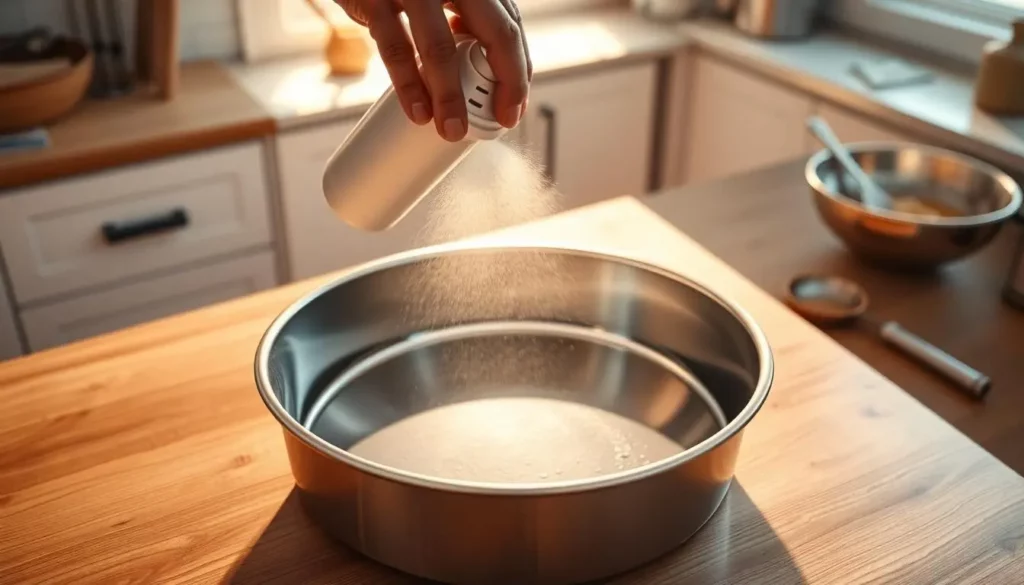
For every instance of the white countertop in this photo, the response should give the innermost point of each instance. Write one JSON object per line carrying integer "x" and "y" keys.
{"x": 941, "y": 110}
{"x": 299, "y": 91}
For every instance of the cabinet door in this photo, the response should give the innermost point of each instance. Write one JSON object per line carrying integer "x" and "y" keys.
{"x": 850, "y": 127}
{"x": 110, "y": 310}
{"x": 593, "y": 133}
{"x": 65, "y": 236}
{"x": 10, "y": 346}
{"x": 739, "y": 122}
{"x": 318, "y": 241}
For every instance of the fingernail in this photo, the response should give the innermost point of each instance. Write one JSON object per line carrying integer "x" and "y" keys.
{"x": 454, "y": 129}
{"x": 512, "y": 116}
{"x": 419, "y": 113}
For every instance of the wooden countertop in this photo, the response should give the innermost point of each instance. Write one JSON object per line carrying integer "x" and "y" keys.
{"x": 764, "y": 225}
{"x": 147, "y": 456}
{"x": 211, "y": 110}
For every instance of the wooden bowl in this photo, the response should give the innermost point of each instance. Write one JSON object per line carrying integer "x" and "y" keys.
{"x": 41, "y": 100}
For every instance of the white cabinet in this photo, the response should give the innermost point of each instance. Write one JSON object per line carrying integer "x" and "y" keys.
{"x": 109, "y": 310}
{"x": 93, "y": 254}
{"x": 850, "y": 127}
{"x": 739, "y": 122}
{"x": 317, "y": 240}
{"x": 10, "y": 346}
{"x": 71, "y": 235}
{"x": 594, "y": 132}
{"x": 596, "y": 129}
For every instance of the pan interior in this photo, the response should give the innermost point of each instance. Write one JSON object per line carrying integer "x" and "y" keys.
{"x": 319, "y": 342}
{"x": 515, "y": 402}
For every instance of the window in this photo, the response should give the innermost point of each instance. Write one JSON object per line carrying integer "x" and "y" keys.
{"x": 961, "y": 13}
{"x": 956, "y": 29}
{"x": 272, "y": 28}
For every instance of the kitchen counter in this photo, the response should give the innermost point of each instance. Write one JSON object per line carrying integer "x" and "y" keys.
{"x": 940, "y": 112}
{"x": 220, "y": 104}
{"x": 210, "y": 110}
{"x": 298, "y": 91}
{"x": 764, "y": 225}
{"x": 147, "y": 456}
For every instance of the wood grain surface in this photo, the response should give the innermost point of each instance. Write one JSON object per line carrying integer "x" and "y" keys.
{"x": 146, "y": 456}
{"x": 209, "y": 109}
{"x": 764, "y": 225}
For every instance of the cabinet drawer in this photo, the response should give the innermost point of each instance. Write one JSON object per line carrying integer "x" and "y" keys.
{"x": 739, "y": 122}
{"x": 593, "y": 132}
{"x": 102, "y": 312}
{"x": 159, "y": 215}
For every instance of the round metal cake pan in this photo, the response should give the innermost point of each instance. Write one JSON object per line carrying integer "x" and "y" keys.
{"x": 387, "y": 341}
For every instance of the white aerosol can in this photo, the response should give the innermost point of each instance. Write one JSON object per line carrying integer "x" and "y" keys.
{"x": 388, "y": 164}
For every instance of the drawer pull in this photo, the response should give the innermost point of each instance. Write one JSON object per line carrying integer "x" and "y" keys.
{"x": 551, "y": 143}
{"x": 115, "y": 232}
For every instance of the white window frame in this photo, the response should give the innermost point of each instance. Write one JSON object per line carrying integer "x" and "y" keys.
{"x": 957, "y": 29}
{"x": 265, "y": 36}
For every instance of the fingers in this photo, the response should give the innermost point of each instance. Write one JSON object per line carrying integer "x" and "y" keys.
{"x": 433, "y": 37}
{"x": 455, "y": 22}
{"x": 399, "y": 58}
{"x": 513, "y": 9}
{"x": 496, "y": 24}
{"x": 355, "y": 10}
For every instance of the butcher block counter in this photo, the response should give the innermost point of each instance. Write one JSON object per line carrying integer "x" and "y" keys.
{"x": 146, "y": 456}
{"x": 210, "y": 110}
{"x": 773, "y": 233}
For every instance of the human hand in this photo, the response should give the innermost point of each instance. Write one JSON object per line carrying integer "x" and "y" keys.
{"x": 437, "y": 93}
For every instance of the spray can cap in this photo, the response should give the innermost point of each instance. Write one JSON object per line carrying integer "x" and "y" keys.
{"x": 478, "y": 87}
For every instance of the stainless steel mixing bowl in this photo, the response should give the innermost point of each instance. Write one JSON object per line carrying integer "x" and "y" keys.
{"x": 397, "y": 337}
{"x": 985, "y": 196}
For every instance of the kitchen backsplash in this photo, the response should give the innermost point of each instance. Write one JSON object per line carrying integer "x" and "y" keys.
{"x": 209, "y": 27}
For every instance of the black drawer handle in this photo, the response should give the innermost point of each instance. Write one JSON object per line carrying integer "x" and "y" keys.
{"x": 551, "y": 143}
{"x": 115, "y": 232}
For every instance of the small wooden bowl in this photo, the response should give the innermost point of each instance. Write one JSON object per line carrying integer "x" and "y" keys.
{"x": 42, "y": 100}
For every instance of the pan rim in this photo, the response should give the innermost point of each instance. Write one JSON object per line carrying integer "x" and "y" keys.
{"x": 297, "y": 430}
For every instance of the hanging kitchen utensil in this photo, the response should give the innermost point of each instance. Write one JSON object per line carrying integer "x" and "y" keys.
{"x": 122, "y": 74}
{"x": 104, "y": 66}
{"x": 144, "y": 41}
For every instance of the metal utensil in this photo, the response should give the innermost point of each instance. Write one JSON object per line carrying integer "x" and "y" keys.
{"x": 104, "y": 66}
{"x": 984, "y": 197}
{"x": 871, "y": 194}
{"x": 118, "y": 52}
{"x": 831, "y": 300}
{"x": 410, "y": 335}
